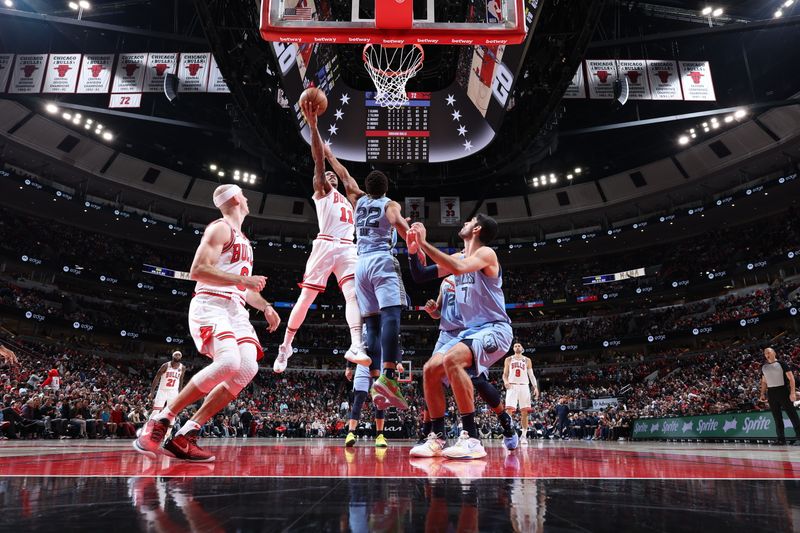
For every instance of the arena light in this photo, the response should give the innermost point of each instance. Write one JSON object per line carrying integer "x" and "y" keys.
{"x": 553, "y": 179}
{"x": 778, "y": 14}
{"x": 740, "y": 113}
{"x": 107, "y": 136}
{"x": 236, "y": 177}
{"x": 76, "y": 120}
{"x": 50, "y": 108}
{"x": 89, "y": 121}
{"x": 9, "y": 3}
{"x": 535, "y": 182}
{"x": 717, "y": 12}
{"x": 578, "y": 170}
{"x": 87, "y": 126}
{"x": 707, "y": 10}
{"x": 728, "y": 119}
{"x": 97, "y": 132}
{"x": 66, "y": 116}
{"x": 221, "y": 174}
{"x": 715, "y": 125}
{"x": 99, "y": 126}
{"x": 212, "y": 166}
{"x": 787, "y": 3}
{"x": 570, "y": 176}
{"x": 83, "y": 4}
{"x": 683, "y": 139}
{"x": 73, "y": 6}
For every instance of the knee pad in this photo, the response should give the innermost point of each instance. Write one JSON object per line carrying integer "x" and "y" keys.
{"x": 349, "y": 290}
{"x": 225, "y": 364}
{"x": 359, "y": 397}
{"x": 248, "y": 368}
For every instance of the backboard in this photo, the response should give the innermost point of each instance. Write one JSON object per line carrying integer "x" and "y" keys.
{"x": 394, "y": 22}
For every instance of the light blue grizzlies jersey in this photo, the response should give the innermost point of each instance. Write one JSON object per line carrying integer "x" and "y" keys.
{"x": 451, "y": 320}
{"x": 480, "y": 299}
{"x": 373, "y": 230}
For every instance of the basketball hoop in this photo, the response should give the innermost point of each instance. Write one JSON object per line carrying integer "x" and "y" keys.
{"x": 390, "y": 69}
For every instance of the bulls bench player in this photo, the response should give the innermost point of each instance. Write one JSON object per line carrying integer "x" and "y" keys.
{"x": 333, "y": 250}
{"x": 169, "y": 380}
{"x": 220, "y": 326}
{"x": 518, "y": 378}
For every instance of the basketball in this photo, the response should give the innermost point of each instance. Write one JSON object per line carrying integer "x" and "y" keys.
{"x": 317, "y": 97}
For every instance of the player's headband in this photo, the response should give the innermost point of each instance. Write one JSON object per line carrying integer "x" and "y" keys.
{"x": 227, "y": 195}
{"x": 176, "y": 352}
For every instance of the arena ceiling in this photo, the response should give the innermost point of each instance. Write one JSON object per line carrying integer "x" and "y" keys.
{"x": 753, "y": 58}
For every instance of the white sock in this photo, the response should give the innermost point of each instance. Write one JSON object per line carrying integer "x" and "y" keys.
{"x": 353, "y": 316}
{"x": 162, "y": 414}
{"x": 191, "y": 425}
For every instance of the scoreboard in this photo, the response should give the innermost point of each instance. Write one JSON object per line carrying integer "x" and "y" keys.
{"x": 403, "y": 134}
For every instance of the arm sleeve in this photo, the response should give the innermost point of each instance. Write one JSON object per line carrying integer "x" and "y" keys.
{"x": 422, "y": 273}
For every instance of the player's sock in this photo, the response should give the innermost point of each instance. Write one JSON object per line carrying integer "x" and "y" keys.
{"x": 379, "y": 434}
{"x": 190, "y": 425}
{"x": 389, "y": 373}
{"x": 468, "y": 422}
{"x": 506, "y": 423}
{"x": 426, "y": 428}
{"x": 162, "y": 414}
{"x": 288, "y": 337}
{"x": 437, "y": 426}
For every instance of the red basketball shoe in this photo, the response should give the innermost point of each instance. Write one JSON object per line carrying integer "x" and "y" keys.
{"x": 185, "y": 447}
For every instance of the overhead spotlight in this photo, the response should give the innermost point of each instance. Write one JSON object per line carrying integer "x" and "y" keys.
{"x": 740, "y": 113}
{"x": 236, "y": 177}
{"x": 729, "y": 118}
{"x": 715, "y": 125}
{"x": 73, "y": 6}
{"x": 246, "y": 175}
{"x": 9, "y": 3}
{"x": 694, "y": 136}
{"x": 706, "y": 130}
{"x": 569, "y": 176}
{"x": 97, "y": 132}
{"x": 535, "y": 183}
{"x": 107, "y": 136}
{"x": 713, "y": 119}
{"x": 787, "y": 3}
{"x": 67, "y": 116}
{"x": 578, "y": 170}
{"x": 78, "y": 115}
{"x": 87, "y": 126}
{"x": 212, "y": 166}
{"x": 553, "y": 179}
{"x": 236, "y": 172}
{"x": 83, "y": 4}
{"x": 221, "y": 174}
{"x": 89, "y": 121}
{"x": 707, "y": 11}
{"x": 778, "y": 13}
{"x": 717, "y": 12}
{"x": 691, "y": 130}
{"x": 50, "y": 108}
{"x": 99, "y": 126}
{"x": 683, "y": 139}
{"x": 76, "y": 120}
{"x": 705, "y": 124}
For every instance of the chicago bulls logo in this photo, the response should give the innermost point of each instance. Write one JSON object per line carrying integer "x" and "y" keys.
{"x": 602, "y": 75}
{"x": 28, "y": 70}
{"x": 193, "y": 68}
{"x": 161, "y": 68}
{"x": 663, "y": 75}
{"x": 96, "y": 70}
{"x": 633, "y": 75}
{"x": 130, "y": 68}
{"x": 62, "y": 70}
{"x": 695, "y": 76}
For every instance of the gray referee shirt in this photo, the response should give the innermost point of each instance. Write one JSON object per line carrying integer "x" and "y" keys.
{"x": 775, "y": 374}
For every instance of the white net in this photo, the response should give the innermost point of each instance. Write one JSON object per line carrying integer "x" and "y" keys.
{"x": 390, "y": 69}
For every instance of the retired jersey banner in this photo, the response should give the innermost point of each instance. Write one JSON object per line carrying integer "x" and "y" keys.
{"x": 158, "y": 66}
{"x": 696, "y": 81}
{"x": 749, "y": 425}
{"x": 665, "y": 84}
{"x": 28, "y": 73}
{"x": 602, "y": 73}
{"x": 450, "y": 210}
{"x": 129, "y": 76}
{"x": 95, "y": 73}
{"x": 577, "y": 85}
{"x": 193, "y": 73}
{"x": 415, "y": 208}
{"x": 216, "y": 81}
{"x": 62, "y": 73}
{"x": 6, "y": 60}
{"x": 635, "y": 71}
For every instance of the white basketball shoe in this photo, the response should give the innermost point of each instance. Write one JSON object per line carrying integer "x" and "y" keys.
{"x": 284, "y": 353}
{"x": 465, "y": 447}
{"x": 432, "y": 447}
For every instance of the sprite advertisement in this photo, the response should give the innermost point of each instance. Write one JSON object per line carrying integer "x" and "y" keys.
{"x": 749, "y": 425}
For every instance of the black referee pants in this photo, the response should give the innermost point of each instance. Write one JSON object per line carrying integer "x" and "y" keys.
{"x": 779, "y": 400}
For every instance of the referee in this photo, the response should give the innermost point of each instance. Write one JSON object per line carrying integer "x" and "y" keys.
{"x": 777, "y": 381}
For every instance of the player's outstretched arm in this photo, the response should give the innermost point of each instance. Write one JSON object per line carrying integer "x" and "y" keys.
{"x": 395, "y": 218}
{"x": 454, "y": 264}
{"x": 321, "y": 185}
{"x": 257, "y": 301}
{"x": 207, "y": 255}
{"x": 351, "y": 188}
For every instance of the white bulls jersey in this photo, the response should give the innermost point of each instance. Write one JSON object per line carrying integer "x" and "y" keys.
{"x": 518, "y": 371}
{"x": 171, "y": 379}
{"x": 236, "y": 258}
{"x": 335, "y": 217}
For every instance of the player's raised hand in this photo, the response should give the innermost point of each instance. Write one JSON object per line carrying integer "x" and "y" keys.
{"x": 254, "y": 283}
{"x": 411, "y": 241}
{"x": 310, "y": 113}
{"x": 421, "y": 232}
{"x": 273, "y": 319}
{"x": 9, "y": 357}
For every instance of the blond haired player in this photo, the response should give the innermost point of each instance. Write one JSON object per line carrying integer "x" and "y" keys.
{"x": 220, "y": 326}
{"x": 333, "y": 252}
{"x": 518, "y": 378}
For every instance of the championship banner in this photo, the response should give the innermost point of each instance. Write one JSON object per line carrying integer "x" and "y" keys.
{"x": 696, "y": 81}
{"x": 158, "y": 66}
{"x": 664, "y": 81}
{"x": 749, "y": 425}
{"x": 6, "y": 60}
{"x": 415, "y": 208}
{"x": 193, "y": 73}
{"x": 28, "y": 74}
{"x": 129, "y": 76}
{"x": 577, "y": 86}
{"x": 635, "y": 70}
{"x": 216, "y": 81}
{"x": 450, "y": 210}
{"x": 95, "y": 73}
{"x": 602, "y": 73}
{"x": 62, "y": 73}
